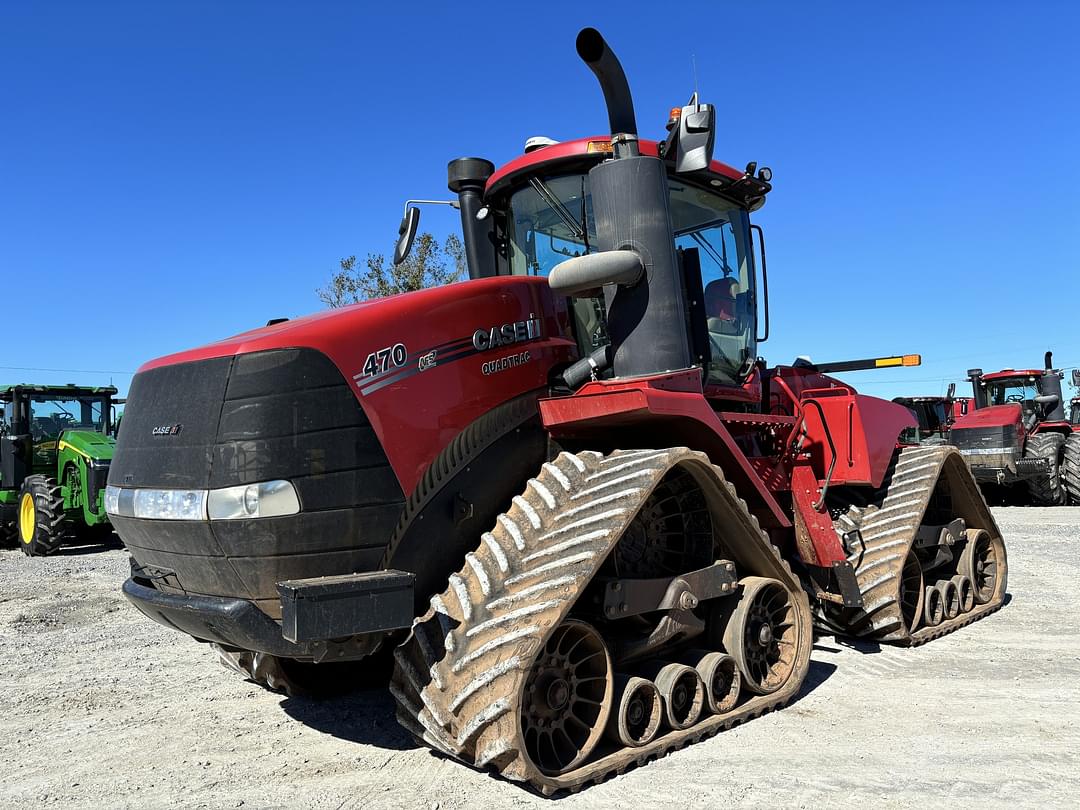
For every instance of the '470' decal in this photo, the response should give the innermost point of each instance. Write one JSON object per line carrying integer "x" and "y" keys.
{"x": 385, "y": 359}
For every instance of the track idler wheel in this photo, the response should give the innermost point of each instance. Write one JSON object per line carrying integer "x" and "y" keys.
{"x": 762, "y": 635}
{"x": 682, "y": 691}
{"x": 966, "y": 592}
{"x": 950, "y": 597}
{"x": 720, "y": 675}
{"x": 637, "y": 713}
{"x": 980, "y": 561}
{"x": 933, "y": 607}
{"x": 567, "y": 698}
{"x": 912, "y": 589}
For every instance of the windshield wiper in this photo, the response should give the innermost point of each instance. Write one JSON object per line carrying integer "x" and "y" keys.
{"x": 555, "y": 204}
{"x": 716, "y": 257}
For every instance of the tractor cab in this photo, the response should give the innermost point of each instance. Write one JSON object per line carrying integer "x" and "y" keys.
{"x": 538, "y": 212}
{"x": 55, "y": 450}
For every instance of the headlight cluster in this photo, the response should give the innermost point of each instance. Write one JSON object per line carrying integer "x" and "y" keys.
{"x": 266, "y": 499}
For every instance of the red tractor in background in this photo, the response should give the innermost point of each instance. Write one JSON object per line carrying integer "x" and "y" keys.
{"x": 589, "y": 519}
{"x": 935, "y": 415}
{"x": 1018, "y": 440}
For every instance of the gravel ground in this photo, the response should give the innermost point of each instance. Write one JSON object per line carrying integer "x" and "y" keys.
{"x": 101, "y": 707}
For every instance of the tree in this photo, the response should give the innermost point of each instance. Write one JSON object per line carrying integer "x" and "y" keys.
{"x": 429, "y": 264}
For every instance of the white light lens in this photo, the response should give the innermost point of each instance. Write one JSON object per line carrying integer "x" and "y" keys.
{"x": 112, "y": 500}
{"x": 170, "y": 504}
{"x": 268, "y": 499}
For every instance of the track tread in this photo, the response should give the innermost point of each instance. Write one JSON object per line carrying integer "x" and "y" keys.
{"x": 888, "y": 531}
{"x": 460, "y": 674}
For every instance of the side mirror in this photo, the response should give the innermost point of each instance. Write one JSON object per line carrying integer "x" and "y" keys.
{"x": 406, "y": 234}
{"x": 952, "y": 391}
{"x": 1076, "y": 377}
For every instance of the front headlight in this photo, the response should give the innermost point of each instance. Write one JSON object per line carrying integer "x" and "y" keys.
{"x": 170, "y": 504}
{"x": 112, "y": 500}
{"x": 266, "y": 499}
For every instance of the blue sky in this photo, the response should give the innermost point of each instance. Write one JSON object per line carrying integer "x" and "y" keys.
{"x": 175, "y": 172}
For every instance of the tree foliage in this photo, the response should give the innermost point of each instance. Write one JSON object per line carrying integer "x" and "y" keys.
{"x": 429, "y": 264}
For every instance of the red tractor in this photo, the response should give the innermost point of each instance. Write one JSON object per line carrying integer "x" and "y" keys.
{"x": 935, "y": 415}
{"x": 1018, "y": 441}
{"x": 592, "y": 521}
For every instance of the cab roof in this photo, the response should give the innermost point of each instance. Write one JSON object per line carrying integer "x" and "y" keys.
{"x": 7, "y": 392}
{"x": 1008, "y": 373}
{"x": 732, "y": 183}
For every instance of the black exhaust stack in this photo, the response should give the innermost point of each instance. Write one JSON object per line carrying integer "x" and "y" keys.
{"x": 467, "y": 177}
{"x": 646, "y": 308}
{"x": 595, "y": 53}
{"x": 1050, "y": 396}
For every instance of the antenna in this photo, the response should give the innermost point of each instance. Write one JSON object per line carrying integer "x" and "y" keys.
{"x": 693, "y": 69}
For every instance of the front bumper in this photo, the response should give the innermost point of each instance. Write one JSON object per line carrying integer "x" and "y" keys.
{"x": 222, "y": 620}
{"x": 1004, "y": 468}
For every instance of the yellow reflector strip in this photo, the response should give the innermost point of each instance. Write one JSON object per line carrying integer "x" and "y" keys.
{"x": 599, "y": 146}
{"x": 885, "y": 362}
{"x": 912, "y": 359}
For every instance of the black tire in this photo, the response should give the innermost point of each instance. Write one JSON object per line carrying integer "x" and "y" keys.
{"x": 1046, "y": 490}
{"x": 9, "y": 534}
{"x": 44, "y": 530}
{"x": 1070, "y": 469}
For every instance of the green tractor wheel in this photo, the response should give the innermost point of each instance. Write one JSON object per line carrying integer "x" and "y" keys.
{"x": 40, "y": 516}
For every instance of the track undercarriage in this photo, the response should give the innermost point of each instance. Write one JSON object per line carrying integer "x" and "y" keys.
{"x": 551, "y": 660}
{"x": 927, "y": 554}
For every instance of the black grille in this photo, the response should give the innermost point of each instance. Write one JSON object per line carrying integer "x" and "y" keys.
{"x": 282, "y": 414}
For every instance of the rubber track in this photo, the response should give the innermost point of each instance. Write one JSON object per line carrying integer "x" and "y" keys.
{"x": 888, "y": 532}
{"x": 1071, "y": 468}
{"x": 459, "y": 677}
{"x": 1048, "y": 491}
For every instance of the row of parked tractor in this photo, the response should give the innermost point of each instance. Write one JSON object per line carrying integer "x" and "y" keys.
{"x": 566, "y": 499}
{"x": 1017, "y": 432}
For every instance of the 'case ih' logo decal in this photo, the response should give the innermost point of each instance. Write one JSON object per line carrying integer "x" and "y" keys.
{"x": 166, "y": 430}
{"x": 508, "y": 333}
{"x": 395, "y": 363}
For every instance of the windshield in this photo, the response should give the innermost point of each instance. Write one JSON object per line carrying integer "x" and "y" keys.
{"x": 49, "y": 417}
{"x": 552, "y": 220}
{"x": 1022, "y": 390}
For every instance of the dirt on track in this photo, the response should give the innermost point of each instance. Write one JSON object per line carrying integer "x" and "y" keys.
{"x": 102, "y": 707}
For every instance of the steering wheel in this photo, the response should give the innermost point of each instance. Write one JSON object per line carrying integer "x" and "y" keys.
{"x": 1014, "y": 398}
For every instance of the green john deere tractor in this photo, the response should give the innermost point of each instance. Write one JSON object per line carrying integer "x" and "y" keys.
{"x": 56, "y": 443}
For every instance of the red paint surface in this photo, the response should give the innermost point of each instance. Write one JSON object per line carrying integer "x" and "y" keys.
{"x": 417, "y": 417}
{"x": 533, "y": 161}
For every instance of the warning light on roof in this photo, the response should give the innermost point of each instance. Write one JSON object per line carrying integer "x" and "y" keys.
{"x": 599, "y": 146}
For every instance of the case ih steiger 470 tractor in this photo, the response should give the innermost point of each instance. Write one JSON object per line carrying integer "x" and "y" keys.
{"x": 597, "y": 525}
{"x": 1018, "y": 440}
{"x": 55, "y": 450}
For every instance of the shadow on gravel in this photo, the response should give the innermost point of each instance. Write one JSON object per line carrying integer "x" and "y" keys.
{"x": 819, "y": 672}
{"x": 77, "y": 547}
{"x": 365, "y": 716}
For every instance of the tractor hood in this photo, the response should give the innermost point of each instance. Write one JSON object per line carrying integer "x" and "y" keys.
{"x": 421, "y": 365}
{"x": 993, "y": 416}
{"x": 89, "y": 444}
